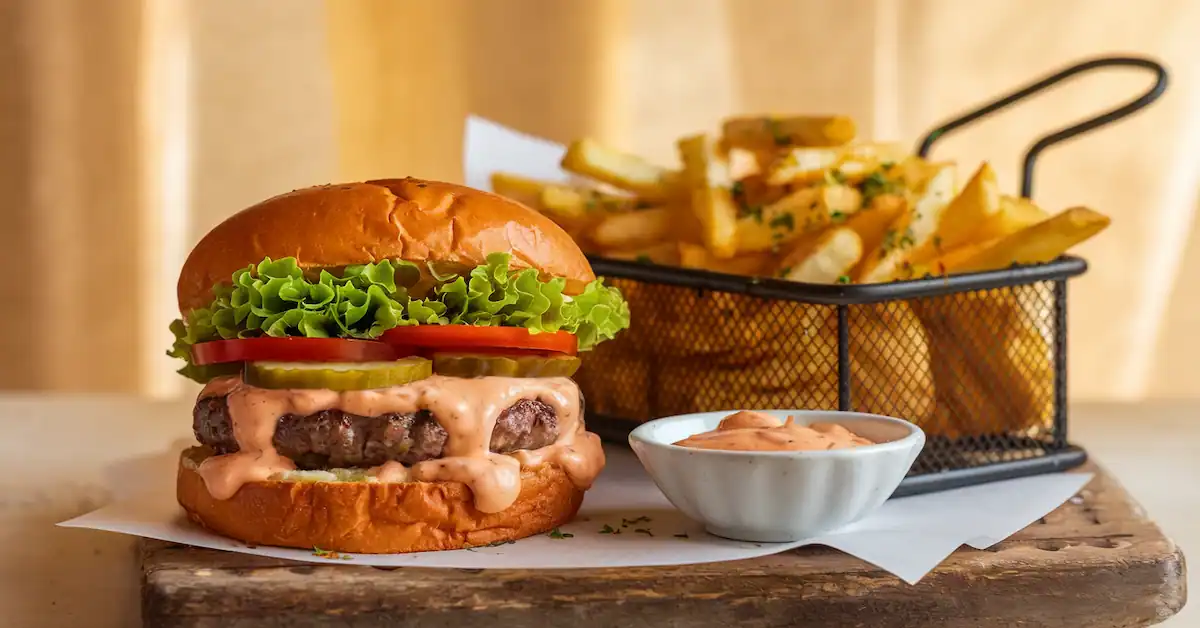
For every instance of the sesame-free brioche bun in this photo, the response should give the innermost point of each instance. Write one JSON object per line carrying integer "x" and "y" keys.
{"x": 330, "y": 226}
{"x": 374, "y": 518}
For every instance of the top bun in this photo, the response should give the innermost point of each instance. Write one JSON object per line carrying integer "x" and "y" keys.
{"x": 330, "y": 226}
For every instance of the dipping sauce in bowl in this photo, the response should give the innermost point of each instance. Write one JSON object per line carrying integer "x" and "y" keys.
{"x": 778, "y": 475}
{"x": 757, "y": 431}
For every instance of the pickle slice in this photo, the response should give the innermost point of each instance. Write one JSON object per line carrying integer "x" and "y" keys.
{"x": 337, "y": 375}
{"x": 485, "y": 365}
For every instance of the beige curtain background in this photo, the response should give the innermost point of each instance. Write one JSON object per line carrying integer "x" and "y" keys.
{"x": 130, "y": 130}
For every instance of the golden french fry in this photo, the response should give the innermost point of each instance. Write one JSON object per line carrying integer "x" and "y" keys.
{"x": 963, "y": 217}
{"x": 632, "y": 229}
{"x": 853, "y": 162}
{"x": 1039, "y": 243}
{"x": 823, "y": 257}
{"x": 710, "y": 185}
{"x": 771, "y": 132}
{"x": 990, "y": 366}
{"x": 803, "y": 165}
{"x": 628, "y": 172}
{"x": 803, "y": 211}
{"x": 890, "y": 371}
{"x": 871, "y": 224}
{"x": 911, "y": 231}
{"x": 578, "y": 202}
{"x": 751, "y": 264}
{"x": 663, "y": 254}
{"x": 1015, "y": 214}
{"x": 951, "y": 259}
{"x": 520, "y": 189}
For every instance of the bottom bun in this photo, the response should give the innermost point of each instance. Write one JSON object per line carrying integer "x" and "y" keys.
{"x": 374, "y": 517}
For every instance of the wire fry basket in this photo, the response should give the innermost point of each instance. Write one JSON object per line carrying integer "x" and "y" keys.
{"x": 978, "y": 360}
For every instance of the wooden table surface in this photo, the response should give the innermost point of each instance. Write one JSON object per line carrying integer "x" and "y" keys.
{"x": 1097, "y": 561}
{"x": 69, "y": 577}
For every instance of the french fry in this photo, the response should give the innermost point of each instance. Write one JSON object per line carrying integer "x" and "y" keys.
{"x": 710, "y": 185}
{"x": 803, "y": 211}
{"x": 912, "y": 230}
{"x": 962, "y": 218}
{"x": 823, "y": 257}
{"x": 951, "y": 259}
{"x": 579, "y": 202}
{"x": 1015, "y": 214}
{"x": 871, "y": 224}
{"x": 628, "y": 172}
{"x": 751, "y": 264}
{"x": 853, "y": 162}
{"x": 633, "y": 229}
{"x": 890, "y": 372}
{"x": 803, "y": 165}
{"x": 663, "y": 254}
{"x": 520, "y": 189}
{"x": 986, "y": 366}
{"x": 1039, "y": 243}
{"x": 768, "y": 132}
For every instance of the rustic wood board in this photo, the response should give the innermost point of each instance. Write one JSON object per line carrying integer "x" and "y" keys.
{"x": 1097, "y": 561}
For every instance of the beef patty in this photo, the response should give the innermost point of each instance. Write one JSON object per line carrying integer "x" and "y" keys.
{"x": 336, "y": 439}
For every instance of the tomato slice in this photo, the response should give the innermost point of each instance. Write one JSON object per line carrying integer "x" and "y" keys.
{"x": 466, "y": 338}
{"x": 291, "y": 350}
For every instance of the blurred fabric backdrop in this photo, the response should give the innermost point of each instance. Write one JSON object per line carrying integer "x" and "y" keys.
{"x": 130, "y": 127}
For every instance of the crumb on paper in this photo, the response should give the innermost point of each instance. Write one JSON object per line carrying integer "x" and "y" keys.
{"x": 644, "y": 531}
{"x": 330, "y": 554}
{"x": 682, "y": 535}
{"x": 559, "y": 534}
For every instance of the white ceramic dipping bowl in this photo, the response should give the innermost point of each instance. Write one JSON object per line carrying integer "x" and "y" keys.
{"x": 776, "y": 496}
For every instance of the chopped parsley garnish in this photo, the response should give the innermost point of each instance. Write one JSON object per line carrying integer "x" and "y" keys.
{"x": 559, "y": 534}
{"x": 755, "y": 212}
{"x": 785, "y": 221}
{"x": 321, "y": 553}
{"x": 642, "y": 204}
{"x": 837, "y": 216}
{"x": 844, "y": 279}
{"x": 682, "y": 535}
{"x": 643, "y": 259}
{"x": 834, "y": 177}
{"x": 783, "y": 272}
{"x": 625, "y": 523}
{"x": 644, "y": 531}
{"x": 607, "y": 529}
{"x": 737, "y": 191}
{"x": 937, "y": 242}
{"x": 877, "y": 184}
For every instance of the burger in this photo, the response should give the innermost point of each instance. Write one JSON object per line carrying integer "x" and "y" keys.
{"x": 386, "y": 368}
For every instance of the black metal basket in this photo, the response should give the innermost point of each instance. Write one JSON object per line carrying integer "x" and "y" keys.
{"x": 978, "y": 360}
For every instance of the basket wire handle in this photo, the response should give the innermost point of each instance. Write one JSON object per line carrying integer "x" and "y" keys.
{"x": 1046, "y": 141}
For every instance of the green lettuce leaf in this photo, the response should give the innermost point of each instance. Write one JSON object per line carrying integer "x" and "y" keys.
{"x": 275, "y": 298}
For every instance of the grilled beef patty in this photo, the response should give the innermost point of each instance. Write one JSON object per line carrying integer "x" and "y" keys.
{"x": 336, "y": 439}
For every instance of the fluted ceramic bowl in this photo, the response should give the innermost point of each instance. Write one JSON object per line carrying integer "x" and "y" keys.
{"x": 775, "y": 496}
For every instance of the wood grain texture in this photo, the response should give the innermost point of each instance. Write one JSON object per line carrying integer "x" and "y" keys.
{"x": 1097, "y": 561}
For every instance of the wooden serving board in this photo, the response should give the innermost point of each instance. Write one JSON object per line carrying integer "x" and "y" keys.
{"x": 1097, "y": 561}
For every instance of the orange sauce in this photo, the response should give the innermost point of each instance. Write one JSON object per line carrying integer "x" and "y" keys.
{"x": 466, "y": 408}
{"x": 756, "y": 431}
